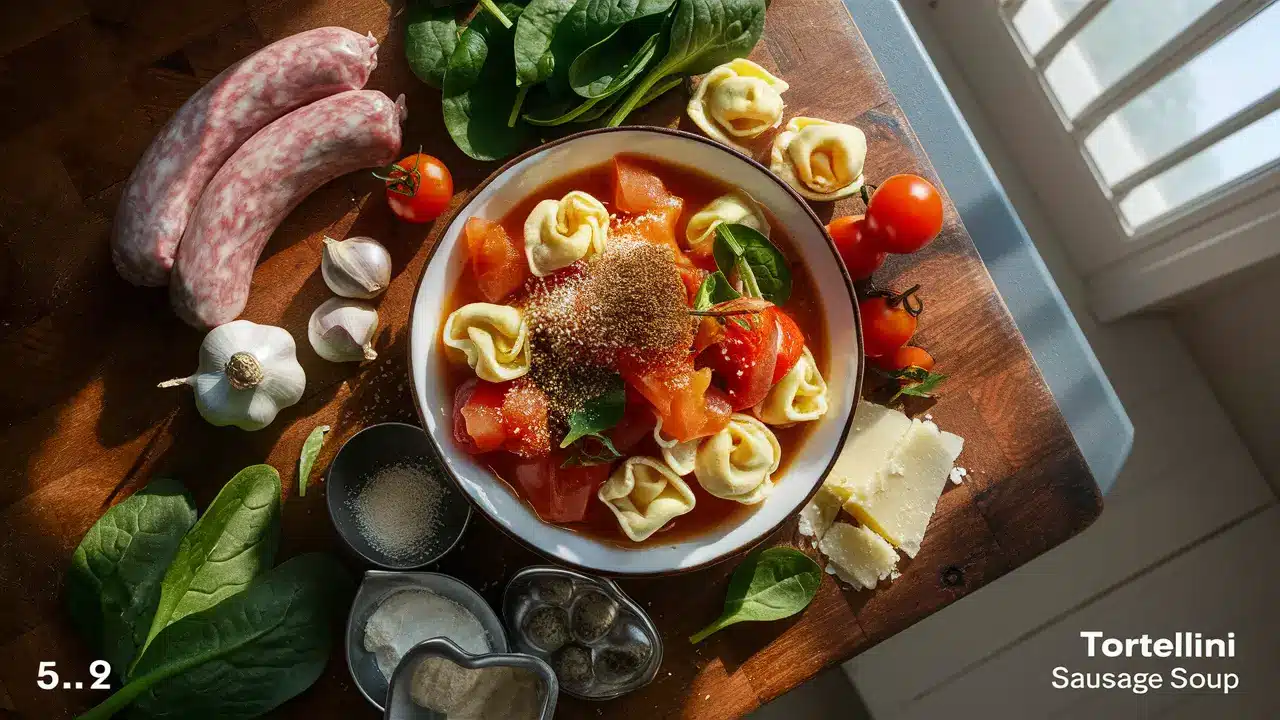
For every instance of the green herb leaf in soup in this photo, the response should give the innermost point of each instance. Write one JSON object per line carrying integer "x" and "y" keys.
{"x": 480, "y": 90}
{"x": 613, "y": 63}
{"x": 758, "y": 264}
{"x": 430, "y": 37}
{"x": 704, "y": 34}
{"x": 598, "y": 414}
{"x": 113, "y": 584}
{"x": 769, "y": 585}
{"x": 233, "y": 543}
{"x": 246, "y": 655}
{"x": 714, "y": 290}
{"x": 534, "y": 33}
{"x": 307, "y": 458}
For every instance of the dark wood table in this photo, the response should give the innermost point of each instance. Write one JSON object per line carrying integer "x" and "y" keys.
{"x": 89, "y": 82}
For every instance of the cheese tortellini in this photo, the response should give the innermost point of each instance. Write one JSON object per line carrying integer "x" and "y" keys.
{"x": 738, "y": 462}
{"x": 560, "y": 232}
{"x": 494, "y": 340}
{"x": 739, "y": 99}
{"x": 735, "y": 207}
{"x": 644, "y": 494}
{"x": 822, "y": 160}
{"x": 800, "y": 396}
{"x": 678, "y": 454}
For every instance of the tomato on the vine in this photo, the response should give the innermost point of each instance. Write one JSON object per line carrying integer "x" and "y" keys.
{"x": 888, "y": 320}
{"x": 907, "y": 356}
{"x": 904, "y": 214}
{"x": 857, "y": 249}
{"x": 419, "y": 188}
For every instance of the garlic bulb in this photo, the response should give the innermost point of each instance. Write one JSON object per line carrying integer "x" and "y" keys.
{"x": 246, "y": 375}
{"x": 357, "y": 267}
{"x": 342, "y": 330}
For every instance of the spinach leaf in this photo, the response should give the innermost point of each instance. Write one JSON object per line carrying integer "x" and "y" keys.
{"x": 704, "y": 34}
{"x": 114, "y": 581}
{"x": 598, "y": 414}
{"x": 497, "y": 13}
{"x": 231, "y": 544}
{"x": 430, "y": 36}
{"x": 307, "y": 458}
{"x": 244, "y": 656}
{"x": 611, "y": 64}
{"x": 480, "y": 92}
{"x": 548, "y": 111}
{"x": 535, "y": 31}
{"x": 587, "y": 23}
{"x": 760, "y": 266}
{"x": 769, "y": 585}
{"x": 714, "y": 290}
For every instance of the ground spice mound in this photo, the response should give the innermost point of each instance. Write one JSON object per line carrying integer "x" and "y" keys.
{"x": 631, "y": 297}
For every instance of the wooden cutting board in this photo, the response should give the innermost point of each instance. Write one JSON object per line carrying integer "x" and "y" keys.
{"x": 89, "y": 83}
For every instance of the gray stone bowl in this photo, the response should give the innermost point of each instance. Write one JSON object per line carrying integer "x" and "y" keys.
{"x": 400, "y": 704}
{"x": 376, "y": 587}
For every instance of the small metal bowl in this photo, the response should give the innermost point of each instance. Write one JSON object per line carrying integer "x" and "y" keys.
{"x": 363, "y": 456}
{"x": 376, "y": 587}
{"x": 400, "y": 704}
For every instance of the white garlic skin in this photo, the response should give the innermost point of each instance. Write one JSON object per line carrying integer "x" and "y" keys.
{"x": 358, "y": 267}
{"x": 342, "y": 330}
{"x": 251, "y": 408}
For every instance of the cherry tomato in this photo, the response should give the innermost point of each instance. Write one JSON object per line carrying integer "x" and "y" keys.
{"x": 904, "y": 214}
{"x": 860, "y": 254}
{"x": 888, "y": 321}
{"x": 790, "y": 344}
{"x": 905, "y": 357}
{"x": 419, "y": 188}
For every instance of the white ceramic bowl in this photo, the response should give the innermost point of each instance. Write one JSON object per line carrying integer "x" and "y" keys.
{"x": 523, "y": 176}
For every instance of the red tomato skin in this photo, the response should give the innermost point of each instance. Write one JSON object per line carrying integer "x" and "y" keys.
{"x": 692, "y": 278}
{"x": 477, "y": 416}
{"x": 857, "y": 248}
{"x": 497, "y": 261}
{"x": 428, "y": 196}
{"x": 905, "y": 357}
{"x": 904, "y": 214}
{"x": 790, "y": 344}
{"x": 884, "y": 329}
{"x": 558, "y": 495}
{"x": 636, "y": 424}
{"x": 745, "y": 360}
{"x": 636, "y": 190}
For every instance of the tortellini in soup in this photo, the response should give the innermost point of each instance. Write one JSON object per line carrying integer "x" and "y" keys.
{"x": 739, "y": 99}
{"x": 800, "y": 396}
{"x": 738, "y": 462}
{"x": 560, "y": 232}
{"x": 494, "y": 340}
{"x": 644, "y": 494}
{"x": 679, "y": 455}
{"x": 822, "y": 160}
{"x": 735, "y": 207}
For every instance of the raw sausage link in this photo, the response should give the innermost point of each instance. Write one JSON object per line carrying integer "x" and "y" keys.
{"x": 164, "y": 187}
{"x": 261, "y": 183}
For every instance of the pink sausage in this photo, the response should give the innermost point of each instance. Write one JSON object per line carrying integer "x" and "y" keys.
{"x": 164, "y": 187}
{"x": 262, "y": 183}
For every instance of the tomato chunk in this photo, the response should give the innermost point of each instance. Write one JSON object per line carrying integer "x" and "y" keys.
{"x": 559, "y": 494}
{"x": 790, "y": 344}
{"x": 657, "y": 226}
{"x": 477, "y": 416}
{"x": 682, "y": 398}
{"x": 636, "y": 424}
{"x": 745, "y": 360}
{"x": 496, "y": 259}
{"x": 710, "y": 332}
{"x": 635, "y": 189}
{"x": 692, "y": 278}
{"x": 524, "y": 418}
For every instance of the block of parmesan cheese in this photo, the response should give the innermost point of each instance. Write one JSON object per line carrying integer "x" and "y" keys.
{"x": 900, "y": 502}
{"x": 817, "y": 516}
{"x": 858, "y": 556}
{"x": 876, "y": 432}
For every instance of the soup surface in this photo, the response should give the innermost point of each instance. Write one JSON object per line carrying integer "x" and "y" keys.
{"x": 615, "y": 319}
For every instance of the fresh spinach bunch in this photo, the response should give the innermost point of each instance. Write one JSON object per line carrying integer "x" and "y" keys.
{"x": 189, "y": 613}
{"x": 769, "y": 585}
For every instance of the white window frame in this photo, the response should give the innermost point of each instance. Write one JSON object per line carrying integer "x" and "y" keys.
{"x": 1126, "y": 270}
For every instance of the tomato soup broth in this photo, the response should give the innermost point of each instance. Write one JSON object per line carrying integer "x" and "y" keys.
{"x": 804, "y": 306}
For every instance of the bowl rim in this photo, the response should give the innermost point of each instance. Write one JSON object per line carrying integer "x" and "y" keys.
{"x": 445, "y": 221}
{"x": 456, "y": 486}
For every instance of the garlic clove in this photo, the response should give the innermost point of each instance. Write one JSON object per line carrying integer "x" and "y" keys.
{"x": 358, "y": 267}
{"x": 342, "y": 330}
